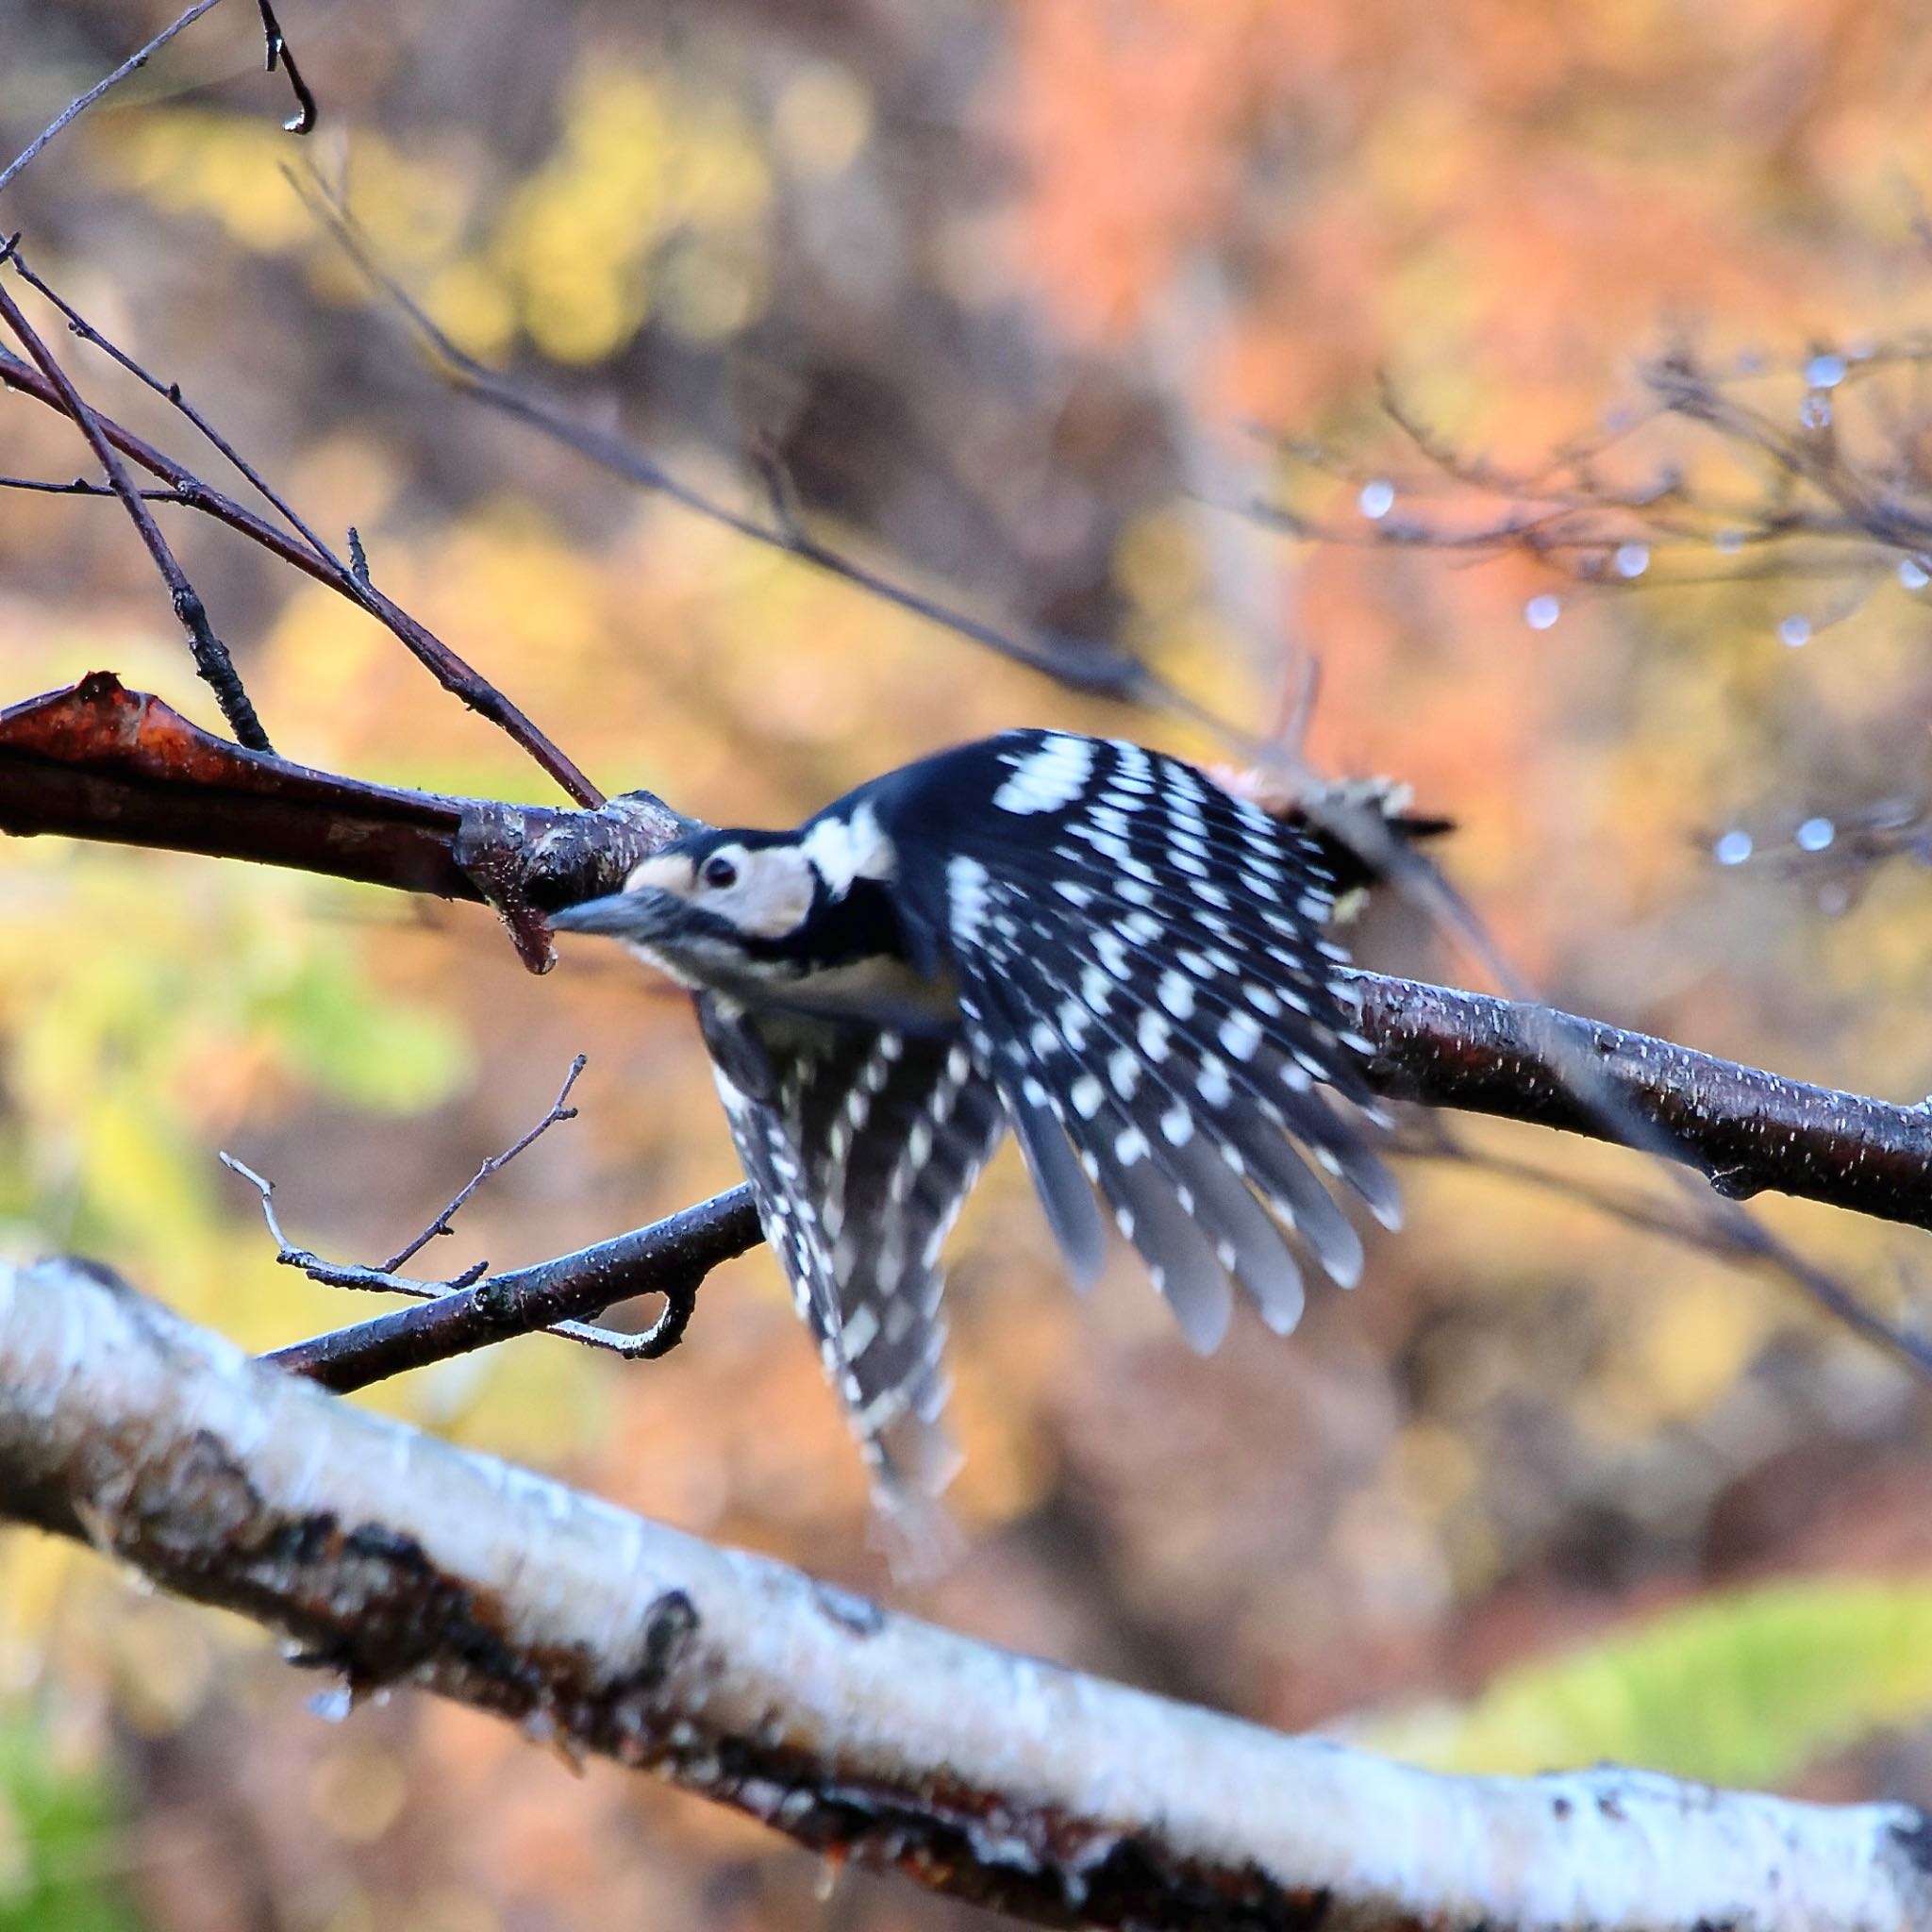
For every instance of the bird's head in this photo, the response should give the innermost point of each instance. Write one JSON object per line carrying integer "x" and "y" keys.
{"x": 705, "y": 907}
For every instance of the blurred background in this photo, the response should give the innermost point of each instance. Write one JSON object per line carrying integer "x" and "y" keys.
{"x": 1033, "y": 302}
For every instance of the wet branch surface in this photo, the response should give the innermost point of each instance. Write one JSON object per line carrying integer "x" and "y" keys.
{"x": 393, "y": 1559}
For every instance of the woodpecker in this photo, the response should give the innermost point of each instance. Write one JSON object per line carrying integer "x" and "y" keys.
{"x": 1093, "y": 945}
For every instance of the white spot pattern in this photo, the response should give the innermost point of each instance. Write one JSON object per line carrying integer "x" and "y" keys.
{"x": 967, "y": 898}
{"x": 1176, "y": 995}
{"x": 1241, "y": 1034}
{"x": 1154, "y": 1033}
{"x": 1045, "y": 780}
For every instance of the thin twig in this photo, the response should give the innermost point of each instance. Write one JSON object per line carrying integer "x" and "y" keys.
{"x": 1091, "y": 668}
{"x": 351, "y": 578}
{"x": 211, "y": 659}
{"x": 79, "y": 107}
{"x": 79, "y": 324}
{"x": 462, "y": 679}
{"x": 306, "y": 113}
{"x": 505, "y": 1296}
{"x": 1564, "y": 516}
{"x": 1427, "y": 1137}
{"x": 79, "y": 486}
{"x": 559, "y": 1111}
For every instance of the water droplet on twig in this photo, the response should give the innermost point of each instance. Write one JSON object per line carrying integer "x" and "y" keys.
{"x": 1378, "y": 499}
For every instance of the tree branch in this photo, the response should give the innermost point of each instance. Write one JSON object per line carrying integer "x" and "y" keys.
{"x": 77, "y": 107}
{"x": 1747, "y": 1130}
{"x": 211, "y": 657}
{"x": 459, "y": 678}
{"x": 395, "y": 1558}
{"x": 670, "y": 1258}
{"x": 99, "y": 761}
{"x": 1077, "y": 664}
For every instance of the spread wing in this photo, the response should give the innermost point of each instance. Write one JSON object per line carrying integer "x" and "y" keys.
{"x": 1142, "y": 963}
{"x": 861, "y": 1145}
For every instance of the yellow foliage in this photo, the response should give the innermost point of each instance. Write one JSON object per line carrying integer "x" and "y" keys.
{"x": 191, "y": 161}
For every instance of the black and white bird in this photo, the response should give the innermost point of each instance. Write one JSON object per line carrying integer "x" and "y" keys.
{"x": 1092, "y": 945}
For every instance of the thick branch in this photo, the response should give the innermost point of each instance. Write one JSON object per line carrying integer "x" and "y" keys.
{"x": 1747, "y": 1130}
{"x": 99, "y": 761}
{"x": 395, "y": 1558}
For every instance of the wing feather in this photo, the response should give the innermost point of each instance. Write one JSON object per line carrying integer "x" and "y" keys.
{"x": 1131, "y": 915}
{"x": 861, "y": 1146}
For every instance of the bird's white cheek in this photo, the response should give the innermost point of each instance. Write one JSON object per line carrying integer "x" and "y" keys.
{"x": 770, "y": 905}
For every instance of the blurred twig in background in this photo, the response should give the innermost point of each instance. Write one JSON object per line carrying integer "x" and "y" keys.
{"x": 1086, "y": 666}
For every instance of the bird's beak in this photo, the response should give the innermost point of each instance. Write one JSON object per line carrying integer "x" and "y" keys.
{"x": 642, "y": 915}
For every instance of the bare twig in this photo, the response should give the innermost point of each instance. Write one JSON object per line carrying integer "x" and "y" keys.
{"x": 1427, "y": 1136}
{"x": 1078, "y": 666}
{"x": 393, "y": 1559}
{"x": 79, "y": 107}
{"x": 521, "y": 1302}
{"x": 670, "y": 1258}
{"x": 79, "y": 486}
{"x": 1821, "y": 513}
{"x": 306, "y": 115}
{"x": 306, "y": 553}
{"x": 211, "y": 659}
{"x": 79, "y": 326}
{"x": 559, "y": 1111}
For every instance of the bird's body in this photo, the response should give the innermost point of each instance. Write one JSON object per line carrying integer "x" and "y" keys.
{"x": 1093, "y": 945}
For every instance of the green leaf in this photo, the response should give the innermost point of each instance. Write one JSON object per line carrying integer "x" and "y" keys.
{"x": 1747, "y": 1688}
{"x": 59, "y": 1840}
{"x": 376, "y": 1052}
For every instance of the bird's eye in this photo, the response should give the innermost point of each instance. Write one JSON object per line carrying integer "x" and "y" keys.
{"x": 720, "y": 871}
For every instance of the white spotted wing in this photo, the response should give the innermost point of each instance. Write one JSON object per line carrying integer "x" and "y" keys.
{"x": 1143, "y": 965}
{"x": 861, "y": 1146}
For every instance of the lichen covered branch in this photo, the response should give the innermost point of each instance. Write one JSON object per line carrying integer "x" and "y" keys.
{"x": 393, "y": 1559}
